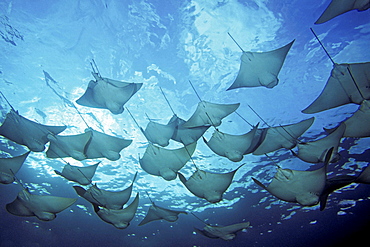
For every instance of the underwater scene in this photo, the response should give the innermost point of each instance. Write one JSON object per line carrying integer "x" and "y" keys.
{"x": 184, "y": 123}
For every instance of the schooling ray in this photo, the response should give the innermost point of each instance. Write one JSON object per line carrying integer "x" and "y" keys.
{"x": 222, "y": 232}
{"x": 81, "y": 175}
{"x": 232, "y": 147}
{"x": 260, "y": 68}
{"x": 338, "y": 7}
{"x": 107, "y": 93}
{"x": 10, "y": 166}
{"x": 26, "y": 132}
{"x": 104, "y": 198}
{"x": 102, "y": 145}
{"x": 315, "y": 151}
{"x": 357, "y": 125}
{"x": 68, "y": 146}
{"x": 165, "y": 163}
{"x": 348, "y": 83}
{"x": 120, "y": 218}
{"x": 42, "y": 206}
{"x": 158, "y": 213}
{"x": 303, "y": 187}
{"x": 208, "y": 185}
{"x": 284, "y": 136}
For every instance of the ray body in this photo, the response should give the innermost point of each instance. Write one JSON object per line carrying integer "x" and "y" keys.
{"x": 120, "y": 218}
{"x": 223, "y": 232}
{"x": 260, "y": 68}
{"x": 282, "y": 136}
{"x": 68, "y": 146}
{"x": 159, "y": 133}
{"x": 315, "y": 151}
{"x": 303, "y": 187}
{"x": 158, "y": 213}
{"x": 210, "y": 114}
{"x": 26, "y": 132}
{"x": 208, "y": 185}
{"x": 43, "y": 207}
{"x": 81, "y": 175}
{"x": 105, "y": 198}
{"x": 338, "y": 7}
{"x": 185, "y": 135}
{"x": 232, "y": 147}
{"x": 341, "y": 88}
{"x": 165, "y": 163}
{"x": 10, "y": 166}
{"x": 105, "y": 146}
{"x": 108, "y": 94}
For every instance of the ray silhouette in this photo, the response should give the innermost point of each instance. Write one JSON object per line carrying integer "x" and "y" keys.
{"x": 303, "y": 187}
{"x": 338, "y": 7}
{"x": 283, "y": 136}
{"x": 223, "y": 232}
{"x": 165, "y": 163}
{"x": 44, "y": 207}
{"x": 10, "y": 166}
{"x": 105, "y": 198}
{"x": 81, "y": 175}
{"x": 102, "y": 145}
{"x": 233, "y": 147}
{"x": 315, "y": 151}
{"x": 68, "y": 146}
{"x": 156, "y": 212}
{"x": 260, "y": 68}
{"x": 119, "y": 218}
{"x": 108, "y": 94}
{"x": 208, "y": 185}
{"x": 26, "y": 132}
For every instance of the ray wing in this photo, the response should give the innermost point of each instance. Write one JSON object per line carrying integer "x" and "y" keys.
{"x": 210, "y": 114}
{"x": 186, "y": 135}
{"x": 10, "y": 166}
{"x": 338, "y": 7}
{"x": 282, "y": 136}
{"x": 81, "y": 175}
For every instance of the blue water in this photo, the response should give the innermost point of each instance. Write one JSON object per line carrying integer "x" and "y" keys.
{"x": 46, "y": 48}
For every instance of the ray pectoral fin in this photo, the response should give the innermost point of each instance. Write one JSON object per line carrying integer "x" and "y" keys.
{"x": 79, "y": 190}
{"x": 259, "y": 183}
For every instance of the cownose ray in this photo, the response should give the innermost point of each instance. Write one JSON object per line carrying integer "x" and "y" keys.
{"x": 357, "y": 125}
{"x": 102, "y": 145}
{"x": 81, "y": 175}
{"x": 155, "y": 132}
{"x": 230, "y": 146}
{"x": 315, "y": 151}
{"x": 210, "y": 114}
{"x": 260, "y": 68}
{"x": 164, "y": 162}
{"x": 26, "y": 132}
{"x": 44, "y": 207}
{"x": 348, "y": 83}
{"x": 10, "y": 166}
{"x": 364, "y": 177}
{"x": 222, "y": 232}
{"x": 68, "y": 146}
{"x": 208, "y": 185}
{"x": 156, "y": 212}
{"x": 120, "y": 218}
{"x": 185, "y": 135}
{"x": 338, "y": 7}
{"x": 105, "y": 198}
{"x": 108, "y": 94}
{"x": 283, "y": 136}
{"x": 303, "y": 187}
